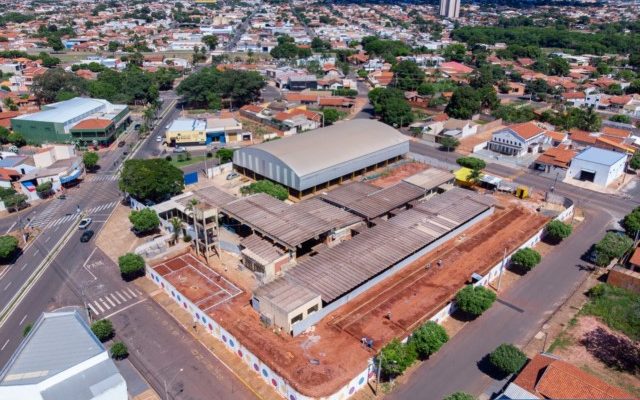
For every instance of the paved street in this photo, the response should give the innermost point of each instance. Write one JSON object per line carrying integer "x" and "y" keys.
{"x": 523, "y": 308}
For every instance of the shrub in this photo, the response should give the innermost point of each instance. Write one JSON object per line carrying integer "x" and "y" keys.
{"x": 526, "y": 258}
{"x": 44, "y": 188}
{"x": 471, "y": 162}
{"x": 268, "y": 187}
{"x": 27, "y": 328}
{"x": 145, "y": 220}
{"x": 459, "y": 396}
{"x": 556, "y": 231}
{"x": 397, "y": 357}
{"x": 475, "y": 300}
{"x": 119, "y": 351}
{"x": 209, "y": 154}
{"x": 428, "y": 339}
{"x": 613, "y": 245}
{"x": 131, "y": 266}
{"x": 631, "y": 222}
{"x": 507, "y": 358}
{"x": 186, "y": 238}
{"x": 168, "y": 158}
{"x": 8, "y": 246}
{"x": 103, "y": 329}
{"x": 449, "y": 143}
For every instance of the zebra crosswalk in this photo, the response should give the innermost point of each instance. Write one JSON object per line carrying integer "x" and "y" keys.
{"x": 43, "y": 218}
{"x": 101, "y": 178}
{"x": 104, "y": 208}
{"x": 109, "y": 303}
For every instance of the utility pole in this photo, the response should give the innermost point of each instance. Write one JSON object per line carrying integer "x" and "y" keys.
{"x": 504, "y": 259}
{"x": 378, "y": 372}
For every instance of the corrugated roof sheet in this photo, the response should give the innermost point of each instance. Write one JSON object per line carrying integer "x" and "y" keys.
{"x": 599, "y": 156}
{"x": 64, "y": 111}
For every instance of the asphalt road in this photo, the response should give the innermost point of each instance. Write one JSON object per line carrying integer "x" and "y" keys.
{"x": 522, "y": 309}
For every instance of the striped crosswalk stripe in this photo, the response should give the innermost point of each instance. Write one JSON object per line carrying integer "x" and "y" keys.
{"x": 114, "y": 301}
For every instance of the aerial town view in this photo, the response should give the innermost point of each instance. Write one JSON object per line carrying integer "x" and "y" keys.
{"x": 319, "y": 199}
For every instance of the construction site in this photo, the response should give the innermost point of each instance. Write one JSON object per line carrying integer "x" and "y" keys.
{"x": 323, "y": 360}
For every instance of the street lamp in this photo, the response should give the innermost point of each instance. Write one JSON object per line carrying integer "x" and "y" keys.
{"x": 166, "y": 386}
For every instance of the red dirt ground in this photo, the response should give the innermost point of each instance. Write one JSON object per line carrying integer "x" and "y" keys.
{"x": 415, "y": 295}
{"x": 399, "y": 173}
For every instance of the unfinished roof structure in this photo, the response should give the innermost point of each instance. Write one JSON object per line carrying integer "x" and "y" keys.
{"x": 430, "y": 178}
{"x": 369, "y": 201}
{"x": 339, "y": 270}
{"x": 288, "y": 225}
{"x": 314, "y": 158}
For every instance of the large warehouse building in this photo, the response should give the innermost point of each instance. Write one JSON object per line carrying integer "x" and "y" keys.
{"x": 82, "y": 120}
{"x": 315, "y": 160}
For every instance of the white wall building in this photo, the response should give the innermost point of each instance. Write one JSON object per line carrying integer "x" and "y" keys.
{"x": 61, "y": 359}
{"x": 598, "y": 166}
{"x": 450, "y": 8}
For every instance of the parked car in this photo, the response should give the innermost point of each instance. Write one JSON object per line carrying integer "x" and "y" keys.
{"x": 84, "y": 223}
{"x": 121, "y": 143}
{"x": 180, "y": 149}
{"x": 158, "y": 138}
{"x": 232, "y": 175}
{"x": 86, "y": 236}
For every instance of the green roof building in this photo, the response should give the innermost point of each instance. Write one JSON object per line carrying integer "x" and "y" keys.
{"x": 80, "y": 120}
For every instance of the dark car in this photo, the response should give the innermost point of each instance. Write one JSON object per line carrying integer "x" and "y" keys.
{"x": 121, "y": 143}
{"x": 86, "y": 236}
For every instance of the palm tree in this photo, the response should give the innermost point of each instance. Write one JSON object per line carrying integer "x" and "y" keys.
{"x": 176, "y": 224}
{"x": 475, "y": 175}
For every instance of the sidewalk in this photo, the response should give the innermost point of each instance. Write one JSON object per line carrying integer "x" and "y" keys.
{"x": 241, "y": 371}
{"x": 116, "y": 239}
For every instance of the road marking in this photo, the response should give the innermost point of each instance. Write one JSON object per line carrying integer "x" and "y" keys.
{"x": 115, "y": 299}
{"x": 4, "y": 345}
{"x": 121, "y": 296}
{"x": 9, "y": 230}
{"x": 95, "y": 278}
{"x": 48, "y": 238}
{"x": 22, "y": 320}
{"x": 93, "y": 310}
{"x": 98, "y": 305}
{"x": 7, "y": 287}
{"x": 23, "y": 267}
{"x": 132, "y": 292}
{"x": 110, "y": 301}
{"x": 104, "y": 303}
{"x": 124, "y": 308}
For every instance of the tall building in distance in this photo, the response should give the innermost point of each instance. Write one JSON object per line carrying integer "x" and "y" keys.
{"x": 450, "y": 8}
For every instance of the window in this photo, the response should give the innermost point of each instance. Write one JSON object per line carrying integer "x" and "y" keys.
{"x": 296, "y": 319}
{"x": 312, "y": 309}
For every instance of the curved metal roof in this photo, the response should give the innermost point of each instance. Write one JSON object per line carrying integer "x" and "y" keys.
{"x": 324, "y": 148}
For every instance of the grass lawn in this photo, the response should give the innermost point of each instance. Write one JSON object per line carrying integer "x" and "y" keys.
{"x": 193, "y": 160}
{"x": 617, "y": 307}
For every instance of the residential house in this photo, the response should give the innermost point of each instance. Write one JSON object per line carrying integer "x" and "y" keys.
{"x": 555, "y": 160}
{"x": 519, "y": 139}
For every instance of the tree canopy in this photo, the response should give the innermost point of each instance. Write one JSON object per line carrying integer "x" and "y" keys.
{"x": 90, "y": 159}
{"x": 428, "y": 339}
{"x": 209, "y": 87}
{"x": 475, "y": 300}
{"x": 396, "y": 358}
{"x": 103, "y": 329}
{"x": 390, "y": 105}
{"x": 268, "y": 187}
{"x": 145, "y": 220}
{"x": 556, "y": 231}
{"x": 155, "y": 179}
{"x": 613, "y": 245}
{"x": 407, "y": 75}
{"x": 526, "y": 258}
{"x": 131, "y": 266}
{"x": 459, "y": 396}
{"x": 8, "y": 246}
{"x": 449, "y": 143}
{"x": 507, "y": 358}
{"x": 471, "y": 162}
{"x": 464, "y": 103}
{"x": 631, "y": 222}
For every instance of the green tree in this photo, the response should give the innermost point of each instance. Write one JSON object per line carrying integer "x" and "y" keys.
{"x": 145, "y": 220}
{"x": 131, "y": 266}
{"x": 612, "y": 245}
{"x": 390, "y": 105}
{"x": 224, "y": 155}
{"x": 455, "y": 52}
{"x": 634, "y": 162}
{"x": 211, "y": 41}
{"x": 331, "y": 115}
{"x": 55, "y": 43}
{"x": 624, "y": 119}
{"x": 428, "y": 339}
{"x": 471, "y": 162}
{"x": 449, "y": 143}
{"x": 119, "y": 351}
{"x": 631, "y": 222}
{"x": 475, "y": 300}
{"x": 526, "y": 258}
{"x": 103, "y": 329}
{"x": 464, "y": 103}
{"x": 396, "y": 358}
{"x": 47, "y": 86}
{"x": 44, "y": 189}
{"x": 475, "y": 175}
{"x": 459, "y": 396}
{"x": 90, "y": 160}
{"x": 268, "y": 187}
{"x": 4, "y": 135}
{"x": 556, "y": 231}
{"x": 27, "y": 328}
{"x": 8, "y": 246}
{"x": 507, "y": 358}
{"x": 209, "y": 86}
{"x": 407, "y": 75}
{"x": 15, "y": 201}
{"x": 155, "y": 179}
{"x": 559, "y": 66}
{"x": 17, "y": 139}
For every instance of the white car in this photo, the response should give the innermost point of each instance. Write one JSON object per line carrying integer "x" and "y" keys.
{"x": 158, "y": 138}
{"x": 84, "y": 223}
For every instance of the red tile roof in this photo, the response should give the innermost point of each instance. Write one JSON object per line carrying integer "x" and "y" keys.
{"x": 527, "y": 130}
{"x": 559, "y": 156}
{"x": 93, "y": 123}
{"x": 552, "y": 378}
{"x": 635, "y": 258}
{"x": 617, "y": 132}
{"x": 581, "y": 136}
